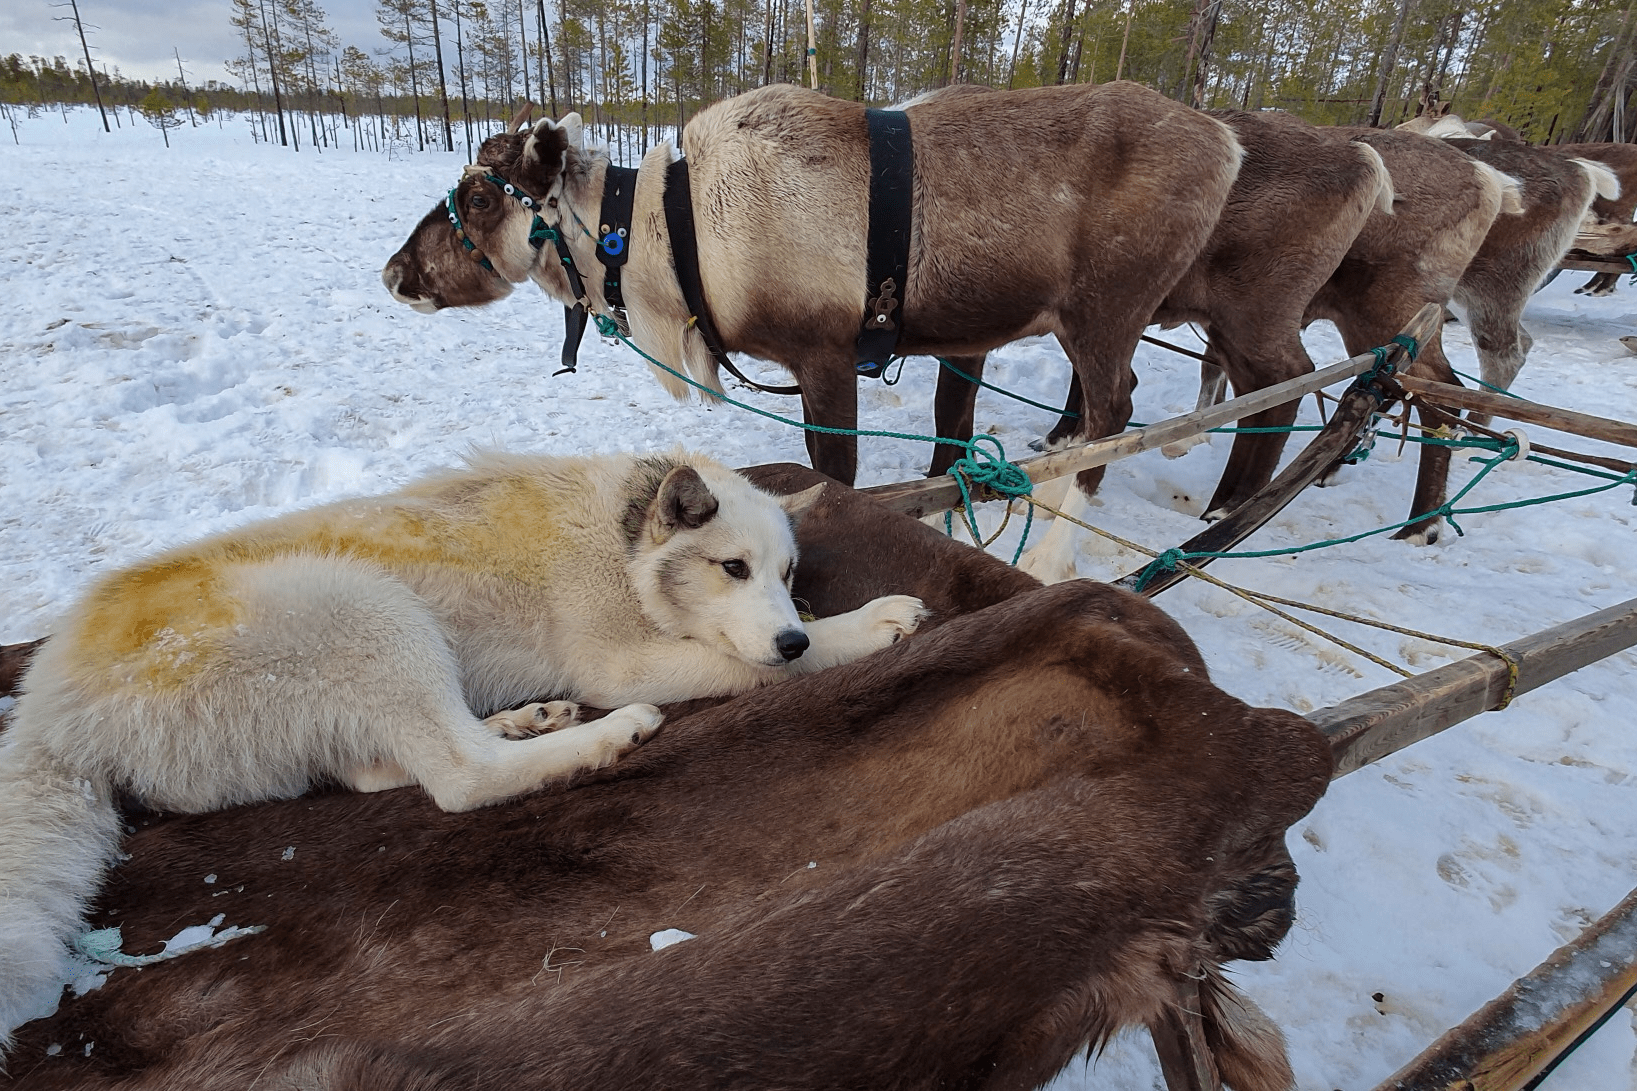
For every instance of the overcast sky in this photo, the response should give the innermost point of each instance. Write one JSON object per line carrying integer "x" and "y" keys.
{"x": 138, "y": 36}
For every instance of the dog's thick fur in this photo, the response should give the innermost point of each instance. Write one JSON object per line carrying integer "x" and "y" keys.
{"x": 359, "y": 643}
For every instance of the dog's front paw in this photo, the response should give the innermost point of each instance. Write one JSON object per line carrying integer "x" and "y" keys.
{"x": 535, "y": 719}
{"x": 893, "y": 617}
{"x": 630, "y": 726}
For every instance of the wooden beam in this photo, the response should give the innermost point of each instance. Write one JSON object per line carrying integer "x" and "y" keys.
{"x": 1484, "y": 401}
{"x": 1383, "y": 721}
{"x": 919, "y": 498}
{"x": 1590, "y": 264}
{"x": 1523, "y": 1033}
{"x": 1353, "y": 412}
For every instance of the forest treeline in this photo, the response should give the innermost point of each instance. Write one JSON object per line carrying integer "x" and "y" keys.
{"x": 445, "y": 73}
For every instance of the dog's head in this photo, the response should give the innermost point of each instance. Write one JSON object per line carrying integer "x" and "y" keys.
{"x": 712, "y": 558}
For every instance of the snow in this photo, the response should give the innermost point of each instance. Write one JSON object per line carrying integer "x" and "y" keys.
{"x": 198, "y": 337}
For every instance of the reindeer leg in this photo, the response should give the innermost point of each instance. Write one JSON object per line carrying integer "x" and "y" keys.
{"x": 829, "y": 397}
{"x": 954, "y": 402}
{"x": 1254, "y": 457}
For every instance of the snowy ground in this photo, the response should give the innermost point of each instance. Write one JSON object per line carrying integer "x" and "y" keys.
{"x": 197, "y": 337}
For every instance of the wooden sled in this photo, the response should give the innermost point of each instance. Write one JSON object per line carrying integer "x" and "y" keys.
{"x": 955, "y": 863}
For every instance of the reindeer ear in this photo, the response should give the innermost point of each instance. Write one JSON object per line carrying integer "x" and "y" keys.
{"x": 574, "y": 127}
{"x": 684, "y": 502}
{"x": 545, "y": 154}
{"x": 797, "y": 505}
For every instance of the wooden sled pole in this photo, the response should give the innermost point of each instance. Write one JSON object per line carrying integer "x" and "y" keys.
{"x": 918, "y": 498}
{"x": 1383, "y": 721}
{"x": 1484, "y": 401}
{"x": 1520, "y": 1035}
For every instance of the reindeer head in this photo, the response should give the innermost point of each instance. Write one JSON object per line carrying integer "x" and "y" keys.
{"x": 473, "y": 246}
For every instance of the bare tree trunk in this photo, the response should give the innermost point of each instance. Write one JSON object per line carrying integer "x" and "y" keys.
{"x": 1011, "y": 72}
{"x": 273, "y": 74}
{"x": 955, "y": 46}
{"x": 414, "y": 82}
{"x": 861, "y": 49}
{"x": 1063, "y": 49}
{"x": 181, "y": 78}
{"x": 92, "y": 72}
{"x": 460, "y": 73}
{"x": 443, "y": 86}
{"x": 1389, "y": 58}
{"x": 1119, "y": 67}
{"x": 550, "y": 78}
{"x": 523, "y": 52}
{"x": 812, "y": 50}
{"x": 1610, "y": 86}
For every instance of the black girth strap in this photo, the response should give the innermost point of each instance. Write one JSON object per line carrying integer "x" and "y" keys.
{"x": 892, "y": 181}
{"x": 614, "y": 229}
{"x": 685, "y": 258}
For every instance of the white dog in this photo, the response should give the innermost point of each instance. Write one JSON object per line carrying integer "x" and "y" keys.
{"x": 361, "y": 642}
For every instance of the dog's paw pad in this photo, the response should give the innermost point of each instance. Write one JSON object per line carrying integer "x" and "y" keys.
{"x": 534, "y": 719}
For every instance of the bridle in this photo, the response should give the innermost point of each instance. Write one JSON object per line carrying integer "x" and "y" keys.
{"x": 539, "y": 233}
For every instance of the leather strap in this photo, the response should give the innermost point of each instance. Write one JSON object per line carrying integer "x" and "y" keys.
{"x": 892, "y": 182}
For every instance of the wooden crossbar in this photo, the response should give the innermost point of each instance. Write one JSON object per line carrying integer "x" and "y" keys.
{"x": 925, "y": 497}
{"x": 1372, "y": 725}
{"x": 1511, "y": 1041}
{"x": 1485, "y": 401}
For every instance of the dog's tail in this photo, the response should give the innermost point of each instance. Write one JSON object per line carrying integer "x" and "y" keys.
{"x": 57, "y": 834}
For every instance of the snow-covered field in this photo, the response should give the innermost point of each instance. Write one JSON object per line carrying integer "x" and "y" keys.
{"x": 196, "y": 337}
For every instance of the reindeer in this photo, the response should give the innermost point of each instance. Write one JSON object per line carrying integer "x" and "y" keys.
{"x": 1613, "y": 201}
{"x": 1402, "y": 258}
{"x": 1295, "y": 207}
{"x": 1069, "y": 210}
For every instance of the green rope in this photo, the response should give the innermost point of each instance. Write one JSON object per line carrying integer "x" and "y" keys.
{"x": 1002, "y": 390}
{"x": 1487, "y": 386}
{"x": 1507, "y": 450}
{"x": 979, "y": 466}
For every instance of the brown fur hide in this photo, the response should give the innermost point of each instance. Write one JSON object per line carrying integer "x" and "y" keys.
{"x": 1069, "y": 210}
{"x": 950, "y": 864}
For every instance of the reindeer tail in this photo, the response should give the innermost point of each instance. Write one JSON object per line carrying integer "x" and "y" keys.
{"x": 1511, "y": 189}
{"x": 1605, "y": 183}
{"x": 1384, "y": 180}
{"x": 57, "y": 833}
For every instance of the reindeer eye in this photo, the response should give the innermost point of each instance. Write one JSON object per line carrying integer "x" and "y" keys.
{"x": 479, "y": 201}
{"x": 739, "y": 570}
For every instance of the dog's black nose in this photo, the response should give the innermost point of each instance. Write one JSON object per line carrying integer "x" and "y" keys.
{"x": 791, "y": 643}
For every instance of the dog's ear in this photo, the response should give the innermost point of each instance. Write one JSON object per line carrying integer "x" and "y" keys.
{"x": 797, "y": 504}
{"x": 684, "y": 502}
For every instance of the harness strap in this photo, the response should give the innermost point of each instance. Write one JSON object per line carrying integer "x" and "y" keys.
{"x": 685, "y": 258}
{"x": 892, "y": 181}
{"x": 614, "y": 229}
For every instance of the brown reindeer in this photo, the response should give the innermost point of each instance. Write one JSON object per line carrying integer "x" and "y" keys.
{"x": 1622, "y": 160}
{"x": 954, "y": 864}
{"x": 1613, "y": 199}
{"x": 1299, "y": 200}
{"x": 1069, "y": 210}
{"x": 1400, "y": 260}
{"x": 1521, "y": 250}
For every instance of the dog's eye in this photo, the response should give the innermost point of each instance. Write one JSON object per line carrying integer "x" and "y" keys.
{"x": 789, "y": 572}
{"x": 479, "y": 201}
{"x": 739, "y": 570}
